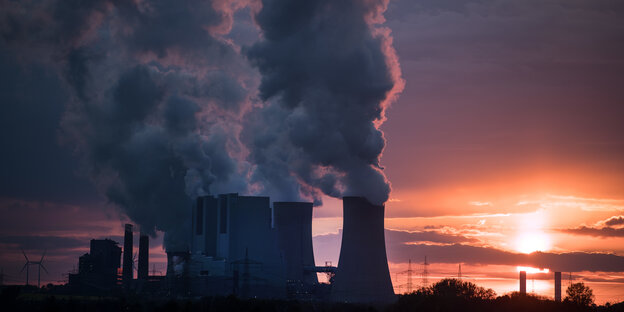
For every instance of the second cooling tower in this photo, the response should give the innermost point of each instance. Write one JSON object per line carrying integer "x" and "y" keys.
{"x": 362, "y": 274}
{"x": 293, "y": 221}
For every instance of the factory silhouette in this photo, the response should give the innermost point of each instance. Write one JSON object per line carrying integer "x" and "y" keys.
{"x": 240, "y": 245}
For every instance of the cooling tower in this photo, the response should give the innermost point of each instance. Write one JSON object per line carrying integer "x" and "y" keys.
{"x": 127, "y": 256}
{"x": 523, "y": 282}
{"x": 143, "y": 267}
{"x": 293, "y": 221}
{"x": 362, "y": 274}
{"x": 558, "y": 286}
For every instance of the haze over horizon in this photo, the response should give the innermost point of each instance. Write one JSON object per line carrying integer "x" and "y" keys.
{"x": 503, "y": 128}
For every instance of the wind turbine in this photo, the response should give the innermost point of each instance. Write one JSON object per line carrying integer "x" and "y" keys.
{"x": 26, "y": 266}
{"x": 38, "y": 263}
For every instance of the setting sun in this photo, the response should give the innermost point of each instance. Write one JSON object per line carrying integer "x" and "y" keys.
{"x": 534, "y": 241}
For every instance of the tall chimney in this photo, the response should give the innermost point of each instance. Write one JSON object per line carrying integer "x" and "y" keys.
{"x": 362, "y": 274}
{"x": 143, "y": 267}
{"x": 523, "y": 282}
{"x": 126, "y": 273}
{"x": 558, "y": 286}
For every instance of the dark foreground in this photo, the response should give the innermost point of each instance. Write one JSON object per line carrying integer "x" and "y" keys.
{"x": 13, "y": 299}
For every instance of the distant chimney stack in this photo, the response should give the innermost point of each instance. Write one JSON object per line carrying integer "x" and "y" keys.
{"x": 558, "y": 286}
{"x": 126, "y": 273}
{"x": 143, "y": 267}
{"x": 523, "y": 282}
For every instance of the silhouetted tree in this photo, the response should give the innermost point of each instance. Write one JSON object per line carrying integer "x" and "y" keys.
{"x": 580, "y": 294}
{"x": 450, "y": 287}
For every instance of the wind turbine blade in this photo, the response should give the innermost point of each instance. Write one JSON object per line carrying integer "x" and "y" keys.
{"x": 24, "y": 267}
{"x": 43, "y": 255}
{"x": 46, "y": 270}
{"x": 23, "y": 253}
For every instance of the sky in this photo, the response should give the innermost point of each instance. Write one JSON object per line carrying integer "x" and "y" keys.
{"x": 503, "y": 133}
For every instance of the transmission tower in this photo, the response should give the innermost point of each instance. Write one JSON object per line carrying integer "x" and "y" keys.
{"x": 425, "y": 274}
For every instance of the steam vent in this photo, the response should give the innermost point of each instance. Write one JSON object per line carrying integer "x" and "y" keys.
{"x": 362, "y": 274}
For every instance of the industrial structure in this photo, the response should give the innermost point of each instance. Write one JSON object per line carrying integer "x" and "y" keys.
{"x": 558, "y": 286}
{"x": 523, "y": 282}
{"x": 244, "y": 246}
{"x": 293, "y": 222}
{"x": 128, "y": 262}
{"x": 363, "y": 274}
{"x": 143, "y": 266}
{"x": 97, "y": 270}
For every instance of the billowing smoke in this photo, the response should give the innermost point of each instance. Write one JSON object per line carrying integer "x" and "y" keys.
{"x": 157, "y": 94}
{"x": 328, "y": 74}
{"x": 163, "y": 106}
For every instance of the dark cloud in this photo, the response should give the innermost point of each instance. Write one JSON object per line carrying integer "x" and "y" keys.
{"x": 401, "y": 246}
{"x": 598, "y": 232}
{"x": 614, "y": 221}
{"x": 327, "y": 78}
{"x": 402, "y": 237}
{"x": 459, "y": 253}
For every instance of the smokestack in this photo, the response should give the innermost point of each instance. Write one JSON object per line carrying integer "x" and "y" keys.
{"x": 558, "y": 286}
{"x": 362, "y": 274}
{"x": 523, "y": 282}
{"x": 127, "y": 256}
{"x": 293, "y": 221}
{"x": 143, "y": 267}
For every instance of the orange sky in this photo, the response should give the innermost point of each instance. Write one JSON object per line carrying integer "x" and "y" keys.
{"x": 507, "y": 139}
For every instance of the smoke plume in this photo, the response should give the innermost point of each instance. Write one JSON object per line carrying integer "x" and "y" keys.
{"x": 328, "y": 74}
{"x": 157, "y": 94}
{"x": 164, "y": 107}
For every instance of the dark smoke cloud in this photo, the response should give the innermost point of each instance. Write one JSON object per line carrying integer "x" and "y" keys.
{"x": 328, "y": 75}
{"x": 156, "y": 97}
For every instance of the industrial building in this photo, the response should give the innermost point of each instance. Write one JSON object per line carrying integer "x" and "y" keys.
{"x": 97, "y": 270}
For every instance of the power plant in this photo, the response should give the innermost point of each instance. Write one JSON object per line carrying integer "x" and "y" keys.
{"x": 244, "y": 246}
{"x": 241, "y": 246}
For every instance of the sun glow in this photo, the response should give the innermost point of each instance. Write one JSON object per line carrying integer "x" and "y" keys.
{"x": 531, "y": 270}
{"x": 530, "y": 235}
{"x": 533, "y": 241}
